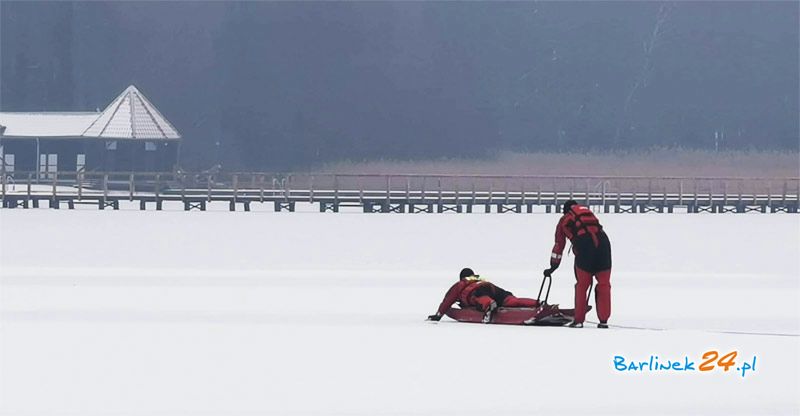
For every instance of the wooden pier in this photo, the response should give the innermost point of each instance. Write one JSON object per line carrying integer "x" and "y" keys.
{"x": 401, "y": 193}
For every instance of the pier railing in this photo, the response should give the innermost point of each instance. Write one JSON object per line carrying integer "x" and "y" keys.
{"x": 402, "y": 193}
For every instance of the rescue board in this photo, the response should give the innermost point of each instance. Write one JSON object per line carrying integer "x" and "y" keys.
{"x": 548, "y": 315}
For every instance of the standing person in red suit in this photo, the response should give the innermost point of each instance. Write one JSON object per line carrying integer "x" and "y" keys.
{"x": 470, "y": 290}
{"x": 592, "y": 259}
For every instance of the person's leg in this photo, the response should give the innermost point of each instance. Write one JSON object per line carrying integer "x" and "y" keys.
{"x": 483, "y": 302}
{"x": 582, "y": 281}
{"x": 488, "y": 306}
{"x": 603, "y": 274}
{"x": 602, "y": 295}
{"x": 515, "y": 302}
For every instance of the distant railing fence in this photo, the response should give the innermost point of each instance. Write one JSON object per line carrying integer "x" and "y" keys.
{"x": 402, "y": 193}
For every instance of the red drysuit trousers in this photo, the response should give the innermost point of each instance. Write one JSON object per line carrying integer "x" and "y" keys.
{"x": 602, "y": 293}
{"x": 515, "y": 302}
{"x": 510, "y": 302}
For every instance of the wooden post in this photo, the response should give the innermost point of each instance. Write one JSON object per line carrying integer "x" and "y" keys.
{"x": 183, "y": 186}
{"x": 105, "y": 185}
{"x": 130, "y": 186}
{"x": 785, "y": 190}
{"x": 208, "y": 186}
{"x": 603, "y": 195}
{"x": 388, "y": 188}
{"x": 55, "y": 183}
{"x": 336, "y": 190}
{"x": 739, "y": 187}
{"x": 361, "y": 187}
{"x": 439, "y": 181}
{"x": 588, "y": 192}
{"x": 538, "y": 193}
{"x": 158, "y": 186}
{"x": 80, "y": 185}
{"x": 473, "y": 192}
{"x": 30, "y": 178}
{"x": 769, "y": 194}
{"x": 680, "y": 192}
{"x": 311, "y": 190}
{"x": 261, "y": 188}
{"x": 571, "y": 189}
{"x": 3, "y": 176}
{"x": 286, "y": 188}
{"x": 724, "y": 193}
{"x": 235, "y": 187}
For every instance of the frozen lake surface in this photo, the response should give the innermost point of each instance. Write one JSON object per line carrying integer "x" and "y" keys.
{"x": 218, "y": 313}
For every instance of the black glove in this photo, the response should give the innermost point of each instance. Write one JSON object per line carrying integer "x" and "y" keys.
{"x": 549, "y": 272}
{"x": 436, "y": 317}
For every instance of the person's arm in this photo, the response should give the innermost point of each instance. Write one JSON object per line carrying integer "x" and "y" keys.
{"x": 558, "y": 248}
{"x": 561, "y": 242}
{"x": 449, "y": 299}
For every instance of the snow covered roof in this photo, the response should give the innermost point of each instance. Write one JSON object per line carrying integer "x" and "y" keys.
{"x": 46, "y": 124}
{"x": 130, "y": 116}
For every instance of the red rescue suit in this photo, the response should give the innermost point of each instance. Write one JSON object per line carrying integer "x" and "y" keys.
{"x": 592, "y": 258}
{"x": 480, "y": 293}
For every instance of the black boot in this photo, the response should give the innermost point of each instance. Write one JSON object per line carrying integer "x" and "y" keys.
{"x": 603, "y": 325}
{"x": 574, "y": 324}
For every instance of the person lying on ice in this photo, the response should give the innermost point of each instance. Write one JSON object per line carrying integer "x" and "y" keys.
{"x": 470, "y": 290}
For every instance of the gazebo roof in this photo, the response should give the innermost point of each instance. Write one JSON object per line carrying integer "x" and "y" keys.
{"x": 130, "y": 116}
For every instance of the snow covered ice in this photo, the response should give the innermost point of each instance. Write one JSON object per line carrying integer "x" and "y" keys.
{"x": 185, "y": 313}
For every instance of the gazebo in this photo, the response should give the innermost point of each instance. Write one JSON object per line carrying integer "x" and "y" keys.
{"x": 130, "y": 135}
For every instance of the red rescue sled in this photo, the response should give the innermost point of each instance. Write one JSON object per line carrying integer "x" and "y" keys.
{"x": 545, "y": 315}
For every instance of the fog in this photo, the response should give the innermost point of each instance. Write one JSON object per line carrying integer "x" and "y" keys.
{"x": 292, "y": 85}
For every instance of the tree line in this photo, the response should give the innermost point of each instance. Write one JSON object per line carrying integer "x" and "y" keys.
{"x": 287, "y": 85}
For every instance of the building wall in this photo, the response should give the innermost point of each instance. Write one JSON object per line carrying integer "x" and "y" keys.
{"x": 24, "y": 152}
{"x": 98, "y": 155}
{"x": 135, "y": 155}
{"x": 66, "y": 150}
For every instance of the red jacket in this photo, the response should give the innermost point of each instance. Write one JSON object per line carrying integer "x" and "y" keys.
{"x": 578, "y": 221}
{"x": 461, "y": 291}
